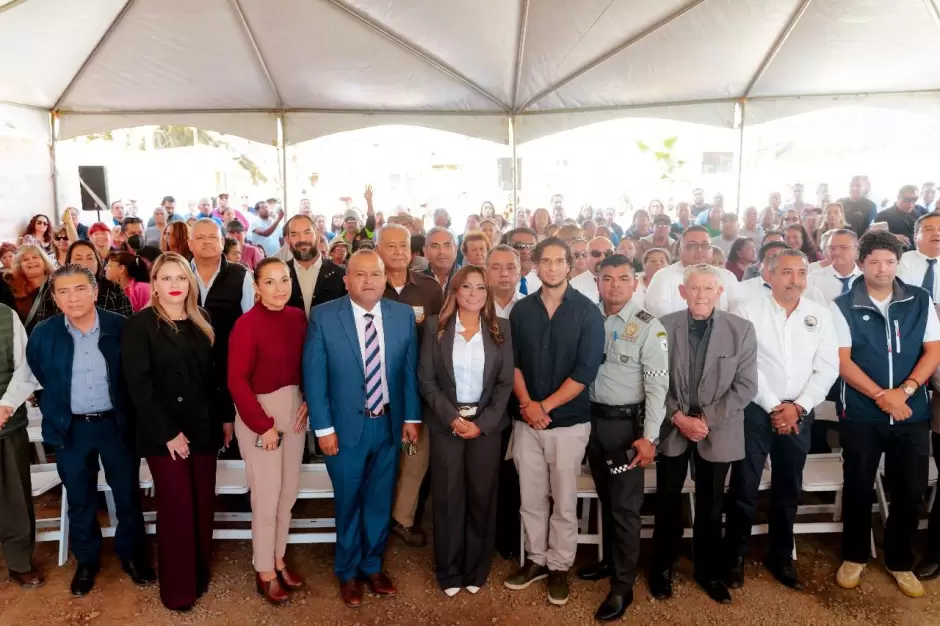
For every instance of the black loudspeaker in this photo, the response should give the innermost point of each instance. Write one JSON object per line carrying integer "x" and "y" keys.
{"x": 95, "y": 178}
{"x": 504, "y": 169}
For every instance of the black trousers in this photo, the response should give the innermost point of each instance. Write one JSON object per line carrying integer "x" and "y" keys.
{"x": 621, "y": 497}
{"x": 464, "y": 484}
{"x": 77, "y": 463}
{"x": 17, "y": 518}
{"x": 933, "y": 532}
{"x": 508, "y": 502}
{"x": 709, "y": 500}
{"x": 787, "y": 457}
{"x": 905, "y": 446}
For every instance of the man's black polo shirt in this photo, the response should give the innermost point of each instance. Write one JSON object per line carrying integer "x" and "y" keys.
{"x": 549, "y": 351}
{"x": 900, "y": 222}
{"x": 422, "y": 293}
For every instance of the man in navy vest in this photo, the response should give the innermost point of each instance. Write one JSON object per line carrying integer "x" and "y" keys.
{"x": 889, "y": 347}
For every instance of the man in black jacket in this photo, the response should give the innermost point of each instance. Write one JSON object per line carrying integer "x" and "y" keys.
{"x": 315, "y": 280}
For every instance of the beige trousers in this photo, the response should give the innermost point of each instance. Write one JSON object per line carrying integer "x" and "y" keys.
{"x": 411, "y": 473}
{"x": 273, "y": 476}
{"x": 549, "y": 464}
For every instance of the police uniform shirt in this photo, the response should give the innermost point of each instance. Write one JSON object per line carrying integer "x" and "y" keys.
{"x": 635, "y": 365}
{"x": 829, "y": 282}
{"x": 662, "y": 295}
{"x": 797, "y": 356}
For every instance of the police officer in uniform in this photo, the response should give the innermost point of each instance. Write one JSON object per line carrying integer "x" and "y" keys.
{"x": 627, "y": 410}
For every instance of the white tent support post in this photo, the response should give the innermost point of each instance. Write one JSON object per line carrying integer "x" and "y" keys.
{"x": 94, "y": 53}
{"x": 778, "y": 44}
{"x": 282, "y": 157}
{"x": 612, "y": 52}
{"x": 520, "y": 51}
{"x": 743, "y": 105}
{"x": 254, "y": 47}
{"x": 511, "y": 120}
{"x": 55, "y": 167}
{"x": 421, "y": 54}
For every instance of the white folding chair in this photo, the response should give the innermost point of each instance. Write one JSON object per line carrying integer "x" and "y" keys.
{"x": 315, "y": 484}
{"x": 45, "y": 477}
{"x": 231, "y": 479}
{"x": 145, "y": 481}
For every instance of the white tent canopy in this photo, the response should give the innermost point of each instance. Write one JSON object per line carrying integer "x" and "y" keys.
{"x": 467, "y": 66}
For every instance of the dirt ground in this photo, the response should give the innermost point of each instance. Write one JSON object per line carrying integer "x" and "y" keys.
{"x": 232, "y": 598}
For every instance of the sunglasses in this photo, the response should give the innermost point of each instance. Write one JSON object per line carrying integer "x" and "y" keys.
{"x": 601, "y": 253}
{"x": 42, "y": 223}
{"x": 523, "y": 246}
{"x": 579, "y": 255}
{"x": 62, "y": 238}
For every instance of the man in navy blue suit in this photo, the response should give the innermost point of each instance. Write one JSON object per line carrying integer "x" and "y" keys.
{"x": 360, "y": 382}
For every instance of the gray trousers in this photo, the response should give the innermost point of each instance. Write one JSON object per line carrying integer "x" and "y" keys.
{"x": 17, "y": 518}
{"x": 549, "y": 464}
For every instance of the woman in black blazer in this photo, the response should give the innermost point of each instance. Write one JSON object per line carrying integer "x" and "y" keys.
{"x": 465, "y": 373}
{"x": 167, "y": 362}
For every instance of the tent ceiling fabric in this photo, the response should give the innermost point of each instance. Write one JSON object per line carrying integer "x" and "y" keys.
{"x": 463, "y": 65}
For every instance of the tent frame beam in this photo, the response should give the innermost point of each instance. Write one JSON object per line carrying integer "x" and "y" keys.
{"x": 778, "y": 44}
{"x": 520, "y": 52}
{"x": 414, "y": 50}
{"x": 590, "y": 65}
{"x": 934, "y": 9}
{"x": 257, "y": 51}
{"x": 12, "y": 4}
{"x": 94, "y": 53}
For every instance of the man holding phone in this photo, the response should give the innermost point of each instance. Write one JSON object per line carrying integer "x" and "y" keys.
{"x": 627, "y": 411}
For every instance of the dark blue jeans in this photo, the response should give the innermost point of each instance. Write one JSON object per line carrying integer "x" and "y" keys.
{"x": 77, "y": 463}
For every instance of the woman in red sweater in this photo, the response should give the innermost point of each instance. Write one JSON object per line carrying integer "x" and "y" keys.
{"x": 265, "y": 349}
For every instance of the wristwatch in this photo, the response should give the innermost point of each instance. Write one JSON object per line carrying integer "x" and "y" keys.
{"x": 908, "y": 389}
{"x": 800, "y": 411}
{"x": 652, "y": 440}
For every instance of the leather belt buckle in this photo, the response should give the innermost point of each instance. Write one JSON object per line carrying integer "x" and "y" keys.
{"x": 466, "y": 411}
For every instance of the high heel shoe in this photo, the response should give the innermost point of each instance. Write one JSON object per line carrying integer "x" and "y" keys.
{"x": 289, "y": 580}
{"x": 272, "y": 590}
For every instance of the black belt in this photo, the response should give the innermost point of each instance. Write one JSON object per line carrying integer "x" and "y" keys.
{"x": 631, "y": 412}
{"x": 94, "y": 417}
{"x": 385, "y": 409}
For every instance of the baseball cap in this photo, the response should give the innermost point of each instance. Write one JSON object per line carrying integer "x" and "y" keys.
{"x": 350, "y": 214}
{"x": 662, "y": 220}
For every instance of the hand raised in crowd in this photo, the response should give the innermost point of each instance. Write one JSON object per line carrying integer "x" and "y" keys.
{"x": 411, "y": 432}
{"x": 6, "y": 412}
{"x": 894, "y": 403}
{"x": 534, "y": 416}
{"x": 228, "y": 433}
{"x": 66, "y": 216}
{"x": 368, "y": 194}
{"x": 692, "y": 428}
{"x": 178, "y": 446}
{"x": 329, "y": 444}
{"x": 301, "y": 424}
{"x": 269, "y": 440}
{"x": 784, "y": 418}
{"x": 646, "y": 452}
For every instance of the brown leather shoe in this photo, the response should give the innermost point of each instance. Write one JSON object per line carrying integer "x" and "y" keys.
{"x": 290, "y": 580}
{"x": 351, "y": 592}
{"x": 381, "y": 585}
{"x": 28, "y": 580}
{"x": 271, "y": 590}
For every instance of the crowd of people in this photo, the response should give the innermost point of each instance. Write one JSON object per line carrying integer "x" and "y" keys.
{"x": 479, "y": 369}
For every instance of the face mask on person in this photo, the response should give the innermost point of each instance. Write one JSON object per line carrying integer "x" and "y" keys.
{"x": 134, "y": 242}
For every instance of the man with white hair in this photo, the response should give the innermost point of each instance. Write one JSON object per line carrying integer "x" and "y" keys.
{"x": 599, "y": 249}
{"x": 662, "y": 294}
{"x": 704, "y": 425}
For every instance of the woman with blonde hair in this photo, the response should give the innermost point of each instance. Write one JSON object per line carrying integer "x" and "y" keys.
{"x": 266, "y": 346}
{"x": 541, "y": 220}
{"x": 465, "y": 374}
{"x": 27, "y": 280}
{"x": 176, "y": 239}
{"x": 833, "y": 219}
{"x": 170, "y": 375}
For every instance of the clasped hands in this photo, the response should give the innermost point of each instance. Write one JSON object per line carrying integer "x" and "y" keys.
{"x": 465, "y": 428}
{"x": 534, "y": 415}
{"x": 692, "y": 428}
{"x": 894, "y": 403}
{"x": 785, "y": 418}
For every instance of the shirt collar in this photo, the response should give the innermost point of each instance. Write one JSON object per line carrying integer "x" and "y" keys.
{"x": 923, "y": 256}
{"x": 707, "y": 320}
{"x": 625, "y": 312}
{"x": 460, "y": 327}
{"x": 376, "y": 311}
{"x": 75, "y": 331}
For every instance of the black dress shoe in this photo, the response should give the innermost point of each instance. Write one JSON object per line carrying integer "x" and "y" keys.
{"x": 715, "y": 589}
{"x": 140, "y": 572}
{"x": 785, "y": 574}
{"x": 84, "y": 580}
{"x": 734, "y": 574}
{"x": 928, "y": 569}
{"x": 597, "y": 571}
{"x": 614, "y": 606}
{"x": 661, "y": 584}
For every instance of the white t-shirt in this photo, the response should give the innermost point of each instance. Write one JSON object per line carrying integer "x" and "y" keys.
{"x": 844, "y": 335}
{"x": 269, "y": 244}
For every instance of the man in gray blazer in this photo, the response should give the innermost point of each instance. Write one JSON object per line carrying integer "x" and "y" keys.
{"x": 712, "y": 377}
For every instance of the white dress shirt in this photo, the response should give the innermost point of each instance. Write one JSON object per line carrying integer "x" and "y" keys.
{"x": 815, "y": 266}
{"x": 826, "y": 281}
{"x": 797, "y": 356}
{"x": 307, "y": 277}
{"x": 22, "y": 383}
{"x": 586, "y": 284}
{"x": 756, "y": 289}
{"x": 662, "y": 295}
{"x": 248, "y": 286}
{"x": 532, "y": 283}
{"x": 468, "y": 364}
{"x": 504, "y": 312}
{"x": 913, "y": 267}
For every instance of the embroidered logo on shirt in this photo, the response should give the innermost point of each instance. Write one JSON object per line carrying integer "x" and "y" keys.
{"x": 810, "y": 322}
{"x": 866, "y": 318}
{"x": 630, "y": 332}
{"x": 644, "y": 316}
{"x": 419, "y": 314}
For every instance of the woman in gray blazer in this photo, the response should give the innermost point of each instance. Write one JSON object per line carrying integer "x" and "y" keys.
{"x": 465, "y": 375}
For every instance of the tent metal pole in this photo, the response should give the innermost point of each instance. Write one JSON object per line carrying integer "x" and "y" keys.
{"x": 10, "y": 5}
{"x": 55, "y": 167}
{"x": 775, "y": 49}
{"x": 254, "y": 46}
{"x": 934, "y": 11}
{"x": 743, "y": 105}
{"x": 94, "y": 53}
{"x": 520, "y": 51}
{"x": 590, "y": 65}
{"x": 282, "y": 157}
{"x": 515, "y": 173}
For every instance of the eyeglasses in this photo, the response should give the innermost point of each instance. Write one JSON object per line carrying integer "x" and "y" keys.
{"x": 909, "y": 200}
{"x": 523, "y": 246}
{"x": 42, "y": 223}
{"x": 702, "y": 247}
{"x": 601, "y": 253}
{"x": 579, "y": 255}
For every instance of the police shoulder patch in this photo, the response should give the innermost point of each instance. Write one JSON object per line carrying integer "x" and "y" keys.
{"x": 644, "y": 316}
